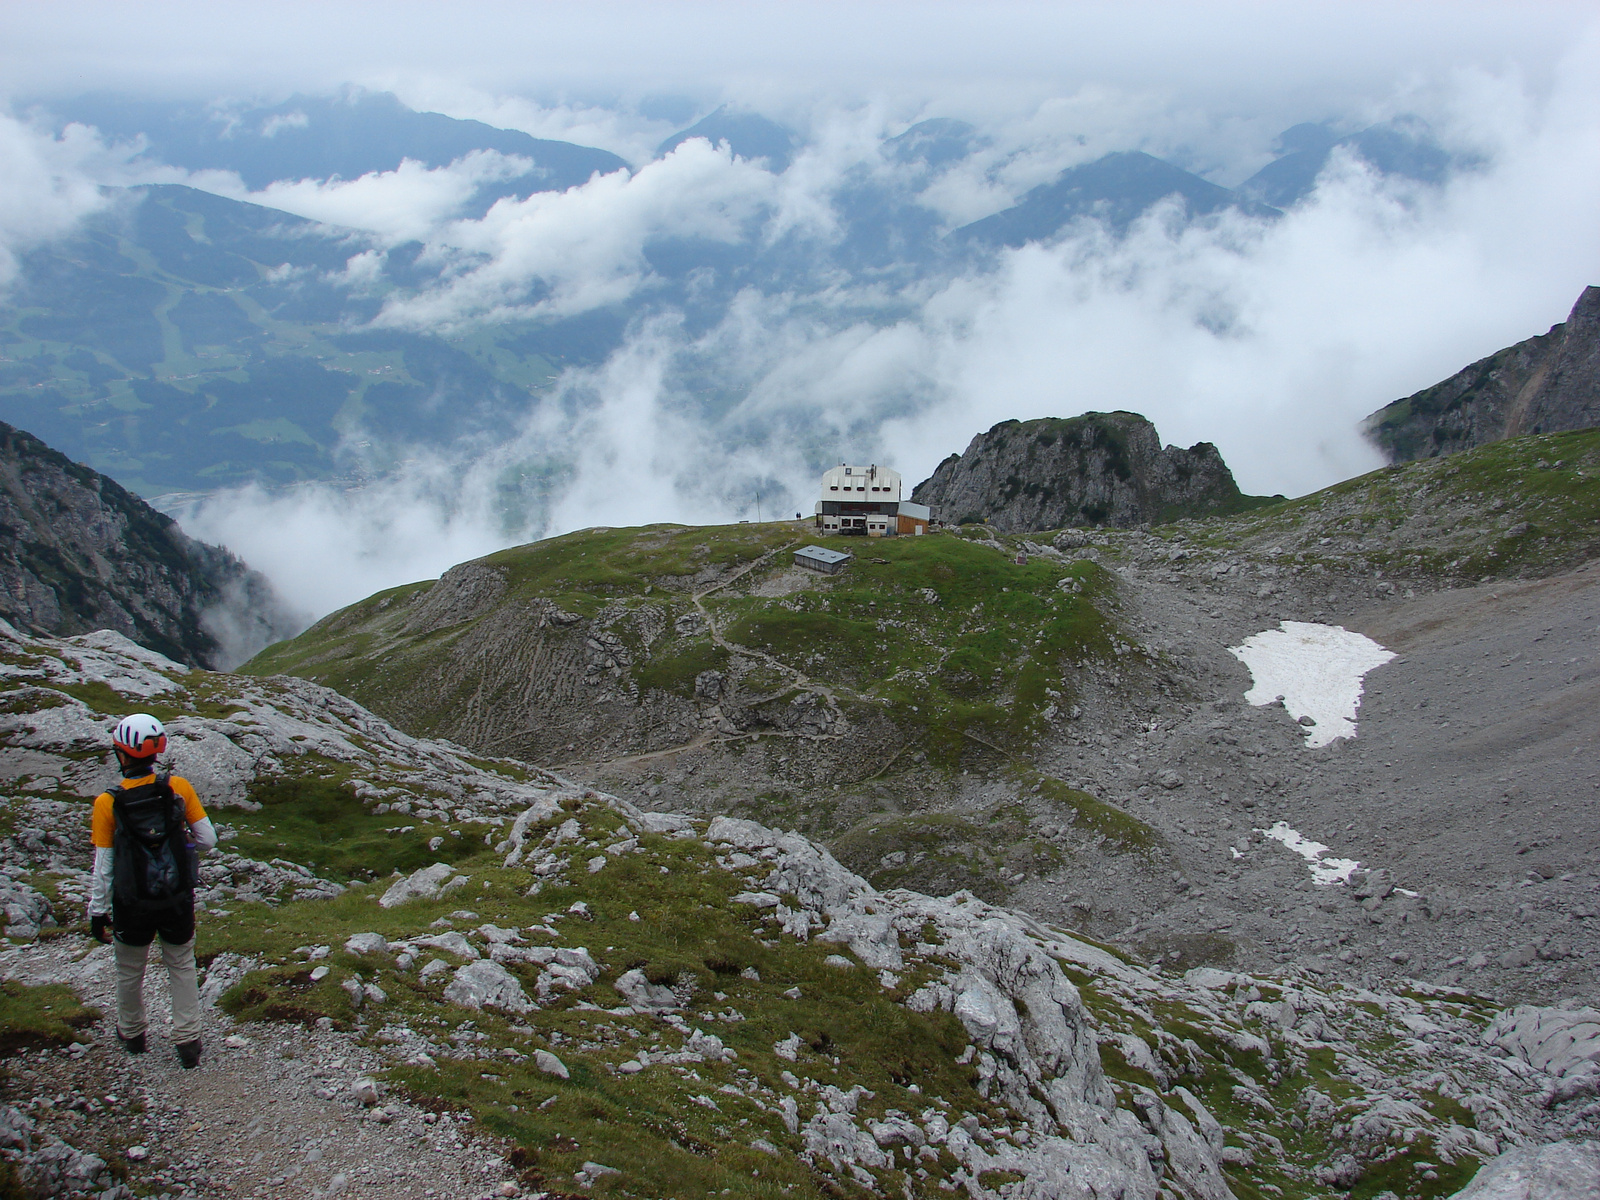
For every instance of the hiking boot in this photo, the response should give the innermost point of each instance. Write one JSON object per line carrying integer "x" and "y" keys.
{"x": 133, "y": 1045}
{"x": 188, "y": 1053}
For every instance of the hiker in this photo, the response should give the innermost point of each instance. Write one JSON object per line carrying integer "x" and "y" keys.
{"x": 148, "y": 834}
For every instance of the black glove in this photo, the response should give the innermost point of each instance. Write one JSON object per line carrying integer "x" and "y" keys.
{"x": 100, "y": 927}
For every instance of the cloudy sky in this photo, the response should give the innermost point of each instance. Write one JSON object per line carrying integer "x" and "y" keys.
{"x": 1271, "y": 340}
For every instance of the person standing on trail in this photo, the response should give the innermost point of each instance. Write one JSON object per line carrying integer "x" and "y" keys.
{"x": 148, "y": 834}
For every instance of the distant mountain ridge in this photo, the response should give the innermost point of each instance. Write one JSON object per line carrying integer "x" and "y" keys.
{"x": 1549, "y": 383}
{"x": 1115, "y": 189}
{"x": 341, "y": 136}
{"x": 1403, "y": 147}
{"x": 184, "y": 341}
{"x": 1093, "y": 470}
{"x": 1120, "y": 187}
{"x": 78, "y": 553}
{"x": 749, "y": 135}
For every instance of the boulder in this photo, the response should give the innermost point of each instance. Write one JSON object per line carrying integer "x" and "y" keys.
{"x": 643, "y": 995}
{"x": 550, "y": 1064}
{"x": 366, "y": 943}
{"x": 220, "y": 769}
{"x": 1555, "y": 1171}
{"x": 425, "y": 883}
{"x": 450, "y": 943}
{"x": 24, "y": 908}
{"x": 660, "y": 822}
{"x": 485, "y": 984}
{"x": 1377, "y": 885}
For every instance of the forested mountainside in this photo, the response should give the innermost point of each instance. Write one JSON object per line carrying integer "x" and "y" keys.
{"x": 181, "y": 341}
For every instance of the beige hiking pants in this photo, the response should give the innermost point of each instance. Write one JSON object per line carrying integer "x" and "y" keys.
{"x": 179, "y": 960}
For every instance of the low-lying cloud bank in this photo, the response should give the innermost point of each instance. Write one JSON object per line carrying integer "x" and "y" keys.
{"x": 1270, "y": 338}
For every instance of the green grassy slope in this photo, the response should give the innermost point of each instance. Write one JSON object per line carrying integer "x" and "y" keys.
{"x": 947, "y": 637}
{"x": 1525, "y": 506}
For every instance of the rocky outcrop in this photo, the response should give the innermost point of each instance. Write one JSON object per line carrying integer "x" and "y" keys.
{"x": 1568, "y": 1170}
{"x": 78, "y": 552}
{"x": 1097, "y": 469}
{"x": 1547, "y": 384}
{"x": 40, "y": 1164}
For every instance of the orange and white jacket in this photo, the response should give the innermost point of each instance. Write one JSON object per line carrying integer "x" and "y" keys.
{"x": 103, "y": 824}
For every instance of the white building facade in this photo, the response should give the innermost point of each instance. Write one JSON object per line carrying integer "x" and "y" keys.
{"x": 865, "y": 501}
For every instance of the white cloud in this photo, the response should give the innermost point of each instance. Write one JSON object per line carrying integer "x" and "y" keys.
{"x": 406, "y": 203}
{"x": 281, "y": 121}
{"x": 586, "y": 245}
{"x": 1271, "y": 340}
{"x": 46, "y": 188}
{"x": 324, "y": 546}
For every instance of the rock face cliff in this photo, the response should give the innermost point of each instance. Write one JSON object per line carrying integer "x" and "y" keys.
{"x": 1547, "y": 384}
{"x": 1097, "y": 469}
{"x": 79, "y": 552}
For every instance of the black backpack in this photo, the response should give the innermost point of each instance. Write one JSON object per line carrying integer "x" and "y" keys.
{"x": 153, "y": 869}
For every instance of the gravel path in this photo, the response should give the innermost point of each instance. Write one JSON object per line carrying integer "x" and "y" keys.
{"x": 269, "y": 1113}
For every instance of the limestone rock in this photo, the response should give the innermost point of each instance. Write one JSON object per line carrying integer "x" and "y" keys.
{"x": 1376, "y": 885}
{"x": 1563, "y": 1042}
{"x": 25, "y": 909}
{"x": 485, "y": 984}
{"x": 47, "y": 1166}
{"x": 1096, "y": 469}
{"x": 366, "y": 943}
{"x": 462, "y": 593}
{"x": 451, "y": 943}
{"x": 1546, "y": 384}
{"x": 550, "y": 1064}
{"x": 1191, "y": 1158}
{"x": 638, "y": 991}
{"x": 424, "y": 883}
{"x": 660, "y": 822}
{"x": 1566, "y": 1170}
{"x": 592, "y": 1171}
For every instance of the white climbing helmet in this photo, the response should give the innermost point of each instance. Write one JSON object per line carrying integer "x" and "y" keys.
{"x": 140, "y": 736}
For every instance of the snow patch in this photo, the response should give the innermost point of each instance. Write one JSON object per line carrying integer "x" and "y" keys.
{"x": 1323, "y": 870}
{"x": 1315, "y": 669}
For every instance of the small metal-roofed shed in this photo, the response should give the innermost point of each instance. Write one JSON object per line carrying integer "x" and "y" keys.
{"x": 820, "y": 558}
